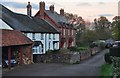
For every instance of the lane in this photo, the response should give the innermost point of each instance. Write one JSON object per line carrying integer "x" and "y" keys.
{"x": 89, "y": 67}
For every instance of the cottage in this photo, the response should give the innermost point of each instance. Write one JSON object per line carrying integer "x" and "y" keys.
{"x": 44, "y": 34}
{"x": 16, "y": 45}
{"x": 67, "y": 30}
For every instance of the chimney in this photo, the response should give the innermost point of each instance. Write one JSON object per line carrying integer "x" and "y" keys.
{"x": 62, "y": 12}
{"x": 42, "y": 8}
{"x": 29, "y": 8}
{"x": 51, "y": 8}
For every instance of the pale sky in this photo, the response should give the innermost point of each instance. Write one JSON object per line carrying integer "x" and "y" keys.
{"x": 88, "y": 9}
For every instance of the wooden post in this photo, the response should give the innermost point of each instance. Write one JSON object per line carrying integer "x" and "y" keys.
{"x": 21, "y": 56}
{"x": 9, "y": 57}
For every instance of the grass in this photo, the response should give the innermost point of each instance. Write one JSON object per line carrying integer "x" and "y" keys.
{"x": 106, "y": 70}
{"x": 82, "y": 48}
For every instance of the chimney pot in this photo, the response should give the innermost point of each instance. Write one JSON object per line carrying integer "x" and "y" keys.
{"x": 62, "y": 12}
{"x": 29, "y": 8}
{"x": 51, "y": 8}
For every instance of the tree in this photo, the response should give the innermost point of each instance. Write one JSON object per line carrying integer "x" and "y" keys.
{"x": 78, "y": 21}
{"x": 116, "y": 27}
{"x": 103, "y": 28}
{"x": 102, "y": 23}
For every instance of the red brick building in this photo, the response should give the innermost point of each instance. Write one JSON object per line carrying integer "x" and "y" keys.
{"x": 16, "y": 45}
{"x": 67, "y": 30}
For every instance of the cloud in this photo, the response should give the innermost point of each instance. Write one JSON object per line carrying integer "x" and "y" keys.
{"x": 105, "y": 15}
{"x": 84, "y": 4}
{"x": 101, "y": 3}
{"x": 20, "y": 5}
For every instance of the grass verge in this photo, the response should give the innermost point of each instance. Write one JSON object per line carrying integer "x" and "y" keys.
{"x": 106, "y": 70}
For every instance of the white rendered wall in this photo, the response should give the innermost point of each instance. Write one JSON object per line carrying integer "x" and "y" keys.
{"x": 3, "y": 25}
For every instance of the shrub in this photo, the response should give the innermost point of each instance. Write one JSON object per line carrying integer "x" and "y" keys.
{"x": 52, "y": 52}
{"x": 73, "y": 48}
{"x": 115, "y": 51}
{"x": 64, "y": 51}
{"x": 107, "y": 58}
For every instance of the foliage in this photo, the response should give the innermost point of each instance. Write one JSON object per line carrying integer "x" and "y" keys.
{"x": 78, "y": 49}
{"x": 103, "y": 28}
{"x": 102, "y": 23}
{"x": 106, "y": 70}
{"x": 116, "y": 29}
{"x": 49, "y": 52}
{"x": 116, "y": 66}
{"x": 115, "y": 51}
{"x": 88, "y": 36}
{"x": 83, "y": 48}
{"x": 73, "y": 49}
{"x": 107, "y": 58}
{"x": 64, "y": 51}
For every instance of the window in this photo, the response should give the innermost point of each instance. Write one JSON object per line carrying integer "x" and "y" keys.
{"x": 42, "y": 37}
{"x": 53, "y": 36}
{"x": 49, "y": 45}
{"x": 72, "y": 32}
{"x": 64, "y": 31}
{"x": 49, "y": 36}
{"x": 33, "y": 36}
{"x": 35, "y": 49}
{"x": 68, "y": 32}
{"x": 38, "y": 49}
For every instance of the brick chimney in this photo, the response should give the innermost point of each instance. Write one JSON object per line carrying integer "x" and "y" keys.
{"x": 51, "y": 8}
{"x": 29, "y": 9}
{"x": 62, "y": 12}
{"x": 42, "y": 9}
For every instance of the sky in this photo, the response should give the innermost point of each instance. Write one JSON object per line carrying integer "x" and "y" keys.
{"x": 88, "y": 9}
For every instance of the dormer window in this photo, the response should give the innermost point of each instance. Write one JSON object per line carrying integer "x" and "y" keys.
{"x": 33, "y": 36}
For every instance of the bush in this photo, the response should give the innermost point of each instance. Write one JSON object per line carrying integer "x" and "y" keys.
{"x": 64, "y": 51}
{"x": 73, "y": 48}
{"x": 49, "y": 52}
{"x": 115, "y": 51}
{"x": 107, "y": 58}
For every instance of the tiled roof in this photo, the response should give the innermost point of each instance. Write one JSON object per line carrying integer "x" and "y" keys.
{"x": 13, "y": 37}
{"x": 25, "y": 23}
{"x": 56, "y": 17}
{"x": 59, "y": 19}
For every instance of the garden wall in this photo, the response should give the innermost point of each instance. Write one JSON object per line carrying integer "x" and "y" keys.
{"x": 69, "y": 57}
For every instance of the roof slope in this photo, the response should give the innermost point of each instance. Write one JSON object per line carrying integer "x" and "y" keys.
{"x": 56, "y": 17}
{"x": 13, "y": 37}
{"x": 25, "y": 23}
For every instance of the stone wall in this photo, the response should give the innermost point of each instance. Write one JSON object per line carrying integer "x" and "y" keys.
{"x": 68, "y": 57}
{"x": 27, "y": 56}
